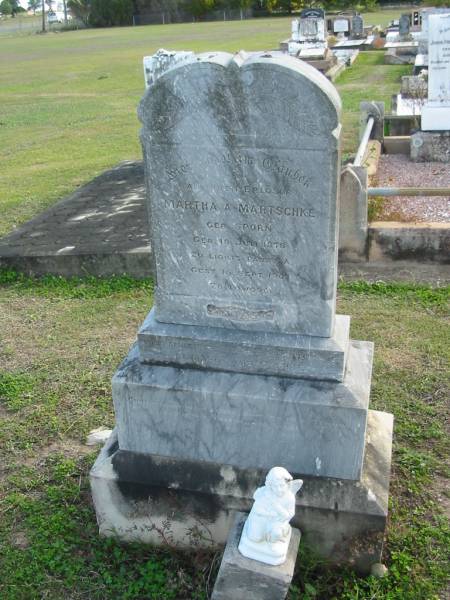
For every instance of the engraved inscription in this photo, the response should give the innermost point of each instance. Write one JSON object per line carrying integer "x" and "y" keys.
{"x": 239, "y": 313}
{"x": 439, "y": 59}
{"x": 258, "y": 225}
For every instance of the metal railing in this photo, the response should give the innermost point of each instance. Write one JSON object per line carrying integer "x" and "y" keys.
{"x": 364, "y": 141}
{"x": 411, "y": 191}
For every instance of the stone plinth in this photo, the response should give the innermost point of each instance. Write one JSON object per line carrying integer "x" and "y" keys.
{"x": 239, "y": 351}
{"x": 241, "y": 578}
{"x": 309, "y": 426}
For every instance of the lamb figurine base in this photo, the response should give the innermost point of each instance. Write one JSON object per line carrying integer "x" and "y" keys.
{"x": 267, "y": 533}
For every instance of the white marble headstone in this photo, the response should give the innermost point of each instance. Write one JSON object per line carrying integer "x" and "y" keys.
{"x": 242, "y": 162}
{"x": 311, "y": 28}
{"x": 436, "y": 112}
{"x": 341, "y": 26}
{"x": 162, "y": 61}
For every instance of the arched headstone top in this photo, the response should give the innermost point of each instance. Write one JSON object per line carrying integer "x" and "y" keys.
{"x": 241, "y": 156}
{"x": 262, "y": 96}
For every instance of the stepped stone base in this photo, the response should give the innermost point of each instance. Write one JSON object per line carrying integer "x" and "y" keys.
{"x": 181, "y": 502}
{"x": 308, "y": 426}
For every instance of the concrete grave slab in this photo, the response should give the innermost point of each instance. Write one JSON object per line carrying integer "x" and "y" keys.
{"x": 101, "y": 229}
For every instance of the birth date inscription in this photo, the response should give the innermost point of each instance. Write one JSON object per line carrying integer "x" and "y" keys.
{"x": 242, "y": 220}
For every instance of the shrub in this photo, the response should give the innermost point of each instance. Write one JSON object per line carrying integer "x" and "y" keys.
{"x": 107, "y": 13}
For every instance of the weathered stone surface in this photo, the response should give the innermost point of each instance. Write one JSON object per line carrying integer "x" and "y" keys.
{"x": 241, "y": 158}
{"x": 394, "y": 57}
{"x": 428, "y": 146}
{"x": 242, "y": 161}
{"x": 357, "y": 26}
{"x": 246, "y": 351}
{"x": 422, "y": 242}
{"x": 353, "y": 213}
{"x": 129, "y": 253}
{"x": 414, "y": 87}
{"x": 404, "y": 25}
{"x": 98, "y": 230}
{"x": 308, "y": 426}
{"x": 162, "y": 500}
{"x": 241, "y": 578}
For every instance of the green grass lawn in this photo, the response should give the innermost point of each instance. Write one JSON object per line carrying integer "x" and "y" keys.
{"x": 60, "y": 344}
{"x": 68, "y": 100}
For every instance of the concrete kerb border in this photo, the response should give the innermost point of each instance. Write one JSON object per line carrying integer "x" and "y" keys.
{"x": 388, "y": 251}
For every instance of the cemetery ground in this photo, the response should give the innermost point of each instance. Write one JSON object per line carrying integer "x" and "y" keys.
{"x": 68, "y": 100}
{"x": 61, "y": 342}
{"x": 68, "y": 112}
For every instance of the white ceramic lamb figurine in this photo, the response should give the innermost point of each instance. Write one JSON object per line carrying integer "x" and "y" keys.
{"x": 267, "y": 533}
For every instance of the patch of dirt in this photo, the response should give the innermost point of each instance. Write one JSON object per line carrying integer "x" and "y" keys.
{"x": 20, "y": 540}
{"x": 397, "y": 170}
{"x": 441, "y": 486}
{"x": 68, "y": 448}
{"x": 401, "y": 360}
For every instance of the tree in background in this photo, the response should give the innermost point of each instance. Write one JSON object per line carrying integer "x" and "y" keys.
{"x": 5, "y": 7}
{"x": 81, "y": 9}
{"x": 34, "y": 5}
{"x": 289, "y": 5}
{"x": 198, "y": 8}
{"x": 10, "y": 7}
{"x": 107, "y": 13}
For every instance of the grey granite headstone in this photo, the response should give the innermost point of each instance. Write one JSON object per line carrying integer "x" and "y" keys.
{"x": 357, "y": 26}
{"x": 404, "y": 25}
{"x": 242, "y": 160}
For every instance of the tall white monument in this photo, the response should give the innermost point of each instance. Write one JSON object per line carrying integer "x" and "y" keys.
{"x": 436, "y": 112}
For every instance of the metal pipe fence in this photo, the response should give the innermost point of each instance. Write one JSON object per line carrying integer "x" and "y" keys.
{"x": 364, "y": 141}
{"x": 410, "y": 191}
